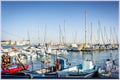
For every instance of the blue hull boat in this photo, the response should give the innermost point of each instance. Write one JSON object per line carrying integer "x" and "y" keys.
{"x": 85, "y": 70}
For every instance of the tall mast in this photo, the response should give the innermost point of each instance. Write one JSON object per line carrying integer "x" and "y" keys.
{"x": 75, "y": 37}
{"x": 45, "y": 35}
{"x": 106, "y": 36}
{"x": 116, "y": 37}
{"x": 99, "y": 31}
{"x": 111, "y": 36}
{"x": 91, "y": 32}
{"x": 28, "y": 36}
{"x": 102, "y": 37}
{"x": 85, "y": 27}
{"x": 38, "y": 35}
{"x": 64, "y": 33}
{"x": 59, "y": 34}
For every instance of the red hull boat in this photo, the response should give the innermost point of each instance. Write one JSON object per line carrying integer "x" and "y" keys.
{"x": 14, "y": 69}
{"x": 10, "y": 66}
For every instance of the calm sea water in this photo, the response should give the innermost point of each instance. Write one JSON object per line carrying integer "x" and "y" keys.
{"x": 6, "y": 47}
{"x": 75, "y": 58}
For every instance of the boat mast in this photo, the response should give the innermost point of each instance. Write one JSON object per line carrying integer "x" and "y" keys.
{"x": 99, "y": 31}
{"x": 64, "y": 33}
{"x": 45, "y": 35}
{"x": 111, "y": 36}
{"x": 85, "y": 26}
{"x": 38, "y": 35}
{"x": 59, "y": 34}
{"x": 106, "y": 35}
{"x": 116, "y": 38}
{"x": 28, "y": 36}
{"x": 91, "y": 32}
{"x": 75, "y": 37}
{"x": 102, "y": 39}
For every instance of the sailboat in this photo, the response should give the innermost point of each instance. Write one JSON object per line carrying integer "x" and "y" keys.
{"x": 86, "y": 46}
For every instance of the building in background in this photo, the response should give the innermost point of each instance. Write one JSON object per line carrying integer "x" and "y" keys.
{"x": 10, "y": 42}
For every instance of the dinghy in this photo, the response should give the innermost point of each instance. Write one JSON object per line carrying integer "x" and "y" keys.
{"x": 111, "y": 70}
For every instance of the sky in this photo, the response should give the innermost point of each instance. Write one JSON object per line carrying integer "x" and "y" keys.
{"x": 42, "y": 20}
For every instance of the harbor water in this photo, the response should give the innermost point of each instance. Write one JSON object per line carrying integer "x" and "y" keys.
{"x": 75, "y": 58}
{"x": 38, "y": 61}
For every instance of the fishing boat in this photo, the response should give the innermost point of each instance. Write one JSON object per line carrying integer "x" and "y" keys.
{"x": 85, "y": 70}
{"x": 11, "y": 66}
{"x": 18, "y": 75}
{"x": 61, "y": 64}
{"x": 111, "y": 70}
{"x": 105, "y": 75}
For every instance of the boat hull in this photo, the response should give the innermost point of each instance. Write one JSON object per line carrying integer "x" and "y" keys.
{"x": 106, "y": 76}
{"x": 14, "y": 70}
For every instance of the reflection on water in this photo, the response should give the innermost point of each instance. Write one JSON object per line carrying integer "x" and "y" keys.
{"x": 75, "y": 58}
{"x": 100, "y": 57}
